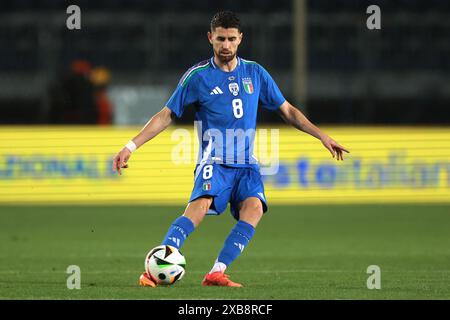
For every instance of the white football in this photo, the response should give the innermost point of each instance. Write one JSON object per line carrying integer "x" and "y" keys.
{"x": 165, "y": 264}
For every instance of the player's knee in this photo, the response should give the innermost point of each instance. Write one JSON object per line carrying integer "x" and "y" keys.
{"x": 252, "y": 207}
{"x": 197, "y": 209}
{"x": 252, "y": 216}
{"x": 203, "y": 205}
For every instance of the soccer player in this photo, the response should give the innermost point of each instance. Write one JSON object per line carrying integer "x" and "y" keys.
{"x": 226, "y": 91}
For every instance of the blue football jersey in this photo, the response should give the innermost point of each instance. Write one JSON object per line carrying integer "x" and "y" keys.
{"x": 226, "y": 107}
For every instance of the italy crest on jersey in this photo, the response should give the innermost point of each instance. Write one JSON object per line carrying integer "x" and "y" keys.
{"x": 248, "y": 85}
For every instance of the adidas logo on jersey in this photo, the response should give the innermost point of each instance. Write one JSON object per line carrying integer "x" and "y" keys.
{"x": 216, "y": 90}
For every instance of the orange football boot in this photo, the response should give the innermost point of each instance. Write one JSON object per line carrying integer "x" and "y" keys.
{"x": 219, "y": 279}
{"x": 147, "y": 281}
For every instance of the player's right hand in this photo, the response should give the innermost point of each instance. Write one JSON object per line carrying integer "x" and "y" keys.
{"x": 120, "y": 160}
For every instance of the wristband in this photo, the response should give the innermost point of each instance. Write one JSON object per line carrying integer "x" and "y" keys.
{"x": 131, "y": 146}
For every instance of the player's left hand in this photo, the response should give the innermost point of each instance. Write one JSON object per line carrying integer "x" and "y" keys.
{"x": 335, "y": 148}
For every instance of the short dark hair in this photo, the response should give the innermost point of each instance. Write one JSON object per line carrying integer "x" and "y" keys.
{"x": 225, "y": 19}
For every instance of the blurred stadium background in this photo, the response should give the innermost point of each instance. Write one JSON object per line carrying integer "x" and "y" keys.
{"x": 320, "y": 53}
{"x": 69, "y": 99}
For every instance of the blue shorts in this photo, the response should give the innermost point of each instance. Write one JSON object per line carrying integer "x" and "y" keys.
{"x": 227, "y": 185}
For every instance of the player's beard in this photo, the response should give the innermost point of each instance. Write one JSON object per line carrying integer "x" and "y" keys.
{"x": 225, "y": 58}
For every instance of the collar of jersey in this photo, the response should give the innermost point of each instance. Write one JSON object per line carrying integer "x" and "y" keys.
{"x": 226, "y": 72}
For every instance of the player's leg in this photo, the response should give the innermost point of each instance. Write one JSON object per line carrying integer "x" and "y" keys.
{"x": 184, "y": 225}
{"x": 249, "y": 215}
{"x": 248, "y": 205}
{"x": 180, "y": 229}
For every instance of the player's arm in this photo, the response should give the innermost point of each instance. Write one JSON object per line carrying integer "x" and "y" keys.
{"x": 297, "y": 119}
{"x": 158, "y": 123}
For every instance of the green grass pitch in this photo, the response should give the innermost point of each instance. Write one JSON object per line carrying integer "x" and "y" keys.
{"x": 298, "y": 252}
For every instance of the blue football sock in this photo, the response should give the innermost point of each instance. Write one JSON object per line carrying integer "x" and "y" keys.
{"x": 178, "y": 232}
{"x": 237, "y": 240}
